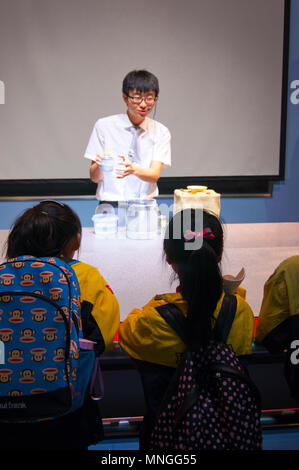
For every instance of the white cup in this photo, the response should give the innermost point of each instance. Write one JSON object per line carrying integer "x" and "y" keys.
{"x": 107, "y": 163}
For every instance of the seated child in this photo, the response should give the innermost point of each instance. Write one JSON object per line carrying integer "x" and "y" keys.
{"x": 278, "y": 316}
{"x": 52, "y": 229}
{"x": 150, "y": 341}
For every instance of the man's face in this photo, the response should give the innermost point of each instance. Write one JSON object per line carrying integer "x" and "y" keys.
{"x": 139, "y": 104}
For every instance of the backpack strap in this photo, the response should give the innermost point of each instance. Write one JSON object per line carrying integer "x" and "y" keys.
{"x": 90, "y": 328}
{"x": 177, "y": 320}
{"x": 225, "y": 318}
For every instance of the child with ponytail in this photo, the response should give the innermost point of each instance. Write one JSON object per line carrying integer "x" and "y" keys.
{"x": 193, "y": 250}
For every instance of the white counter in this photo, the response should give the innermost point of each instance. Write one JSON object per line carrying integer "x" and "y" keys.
{"x": 136, "y": 270}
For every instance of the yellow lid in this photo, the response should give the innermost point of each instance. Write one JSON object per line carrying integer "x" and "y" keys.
{"x": 195, "y": 189}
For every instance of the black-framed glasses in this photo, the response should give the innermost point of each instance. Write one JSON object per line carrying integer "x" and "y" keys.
{"x": 137, "y": 99}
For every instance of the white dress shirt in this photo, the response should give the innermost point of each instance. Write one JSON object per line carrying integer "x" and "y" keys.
{"x": 113, "y": 135}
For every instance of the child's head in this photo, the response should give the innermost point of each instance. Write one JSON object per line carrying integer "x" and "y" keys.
{"x": 193, "y": 220}
{"x": 48, "y": 229}
{"x": 193, "y": 245}
{"x": 140, "y": 80}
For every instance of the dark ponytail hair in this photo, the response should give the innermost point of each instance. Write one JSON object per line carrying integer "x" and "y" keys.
{"x": 198, "y": 269}
{"x": 43, "y": 230}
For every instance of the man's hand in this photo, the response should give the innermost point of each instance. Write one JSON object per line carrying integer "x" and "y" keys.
{"x": 97, "y": 160}
{"x": 150, "y": 175}
{"x": 125, "y": 167}
{"x": 95, "y": 170}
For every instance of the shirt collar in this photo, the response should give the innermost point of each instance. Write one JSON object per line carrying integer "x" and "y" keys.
{"x": 145, "y": 125}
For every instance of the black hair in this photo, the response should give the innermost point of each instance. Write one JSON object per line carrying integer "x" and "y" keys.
{"x": 141, "y": 80}
{"x": 43, "y": 230}
{"x": 198, "y": 270}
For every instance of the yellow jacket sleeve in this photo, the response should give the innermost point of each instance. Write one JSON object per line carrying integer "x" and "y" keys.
{"x": 145, "y": 335}
{"x": 95, "y": 290}
{"x": 275, "y": 306}
{"x": 241, "y": 335}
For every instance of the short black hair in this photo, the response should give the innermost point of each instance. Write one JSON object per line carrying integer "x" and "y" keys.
{"x": 141, "y": 80}
{"x": 43, "y": 230}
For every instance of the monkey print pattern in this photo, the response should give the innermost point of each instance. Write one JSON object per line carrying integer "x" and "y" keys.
{"x": 38, "y": 314}
{"x": 6, "y": 298}
{"x": 27, "y": 376}
{"x": 27, "y": 279}
{"x": 16, "y": 316}
{"x": 55, "y": 294}
{"x": 38, "y": 354}
{"x": 46, "y": 277}
{"x": 5, "y": 376}
{"x": 27, "y": 335}
{"x": 15, "y": 393}
{"x": 15, "y": 356}
{"x": 50, "y": 374}
{"x": 59, "y": 354}
{"x": 39, "y": 306}
{"x": 50, "y": 334}
{"x": 6, "y": 335}
{"x": 7, "y": 280}
{"x": 18, "y": 264}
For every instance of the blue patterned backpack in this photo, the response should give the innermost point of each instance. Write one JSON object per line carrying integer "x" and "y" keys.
{"x": 43, "y": 372}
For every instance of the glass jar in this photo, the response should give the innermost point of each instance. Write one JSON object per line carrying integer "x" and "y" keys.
{"x": 142, "y": 219}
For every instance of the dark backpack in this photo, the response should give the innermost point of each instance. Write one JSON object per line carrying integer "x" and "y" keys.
{"x": 211, "y": 403}
{"x": 44, "y": 373}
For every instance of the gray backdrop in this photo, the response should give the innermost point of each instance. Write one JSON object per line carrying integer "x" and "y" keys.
{"x": 219, "y": 63}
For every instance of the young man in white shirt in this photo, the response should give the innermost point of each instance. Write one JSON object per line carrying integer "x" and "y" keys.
{"x": 137, "y": 160}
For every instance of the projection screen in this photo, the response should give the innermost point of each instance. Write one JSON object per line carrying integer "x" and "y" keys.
{"x": 219, "y": 64}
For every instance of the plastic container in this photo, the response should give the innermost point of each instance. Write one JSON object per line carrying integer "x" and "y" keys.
{"x": 107, "y": 163}
{"x": 105, "y": 225}
{"x": 142, "y": 219}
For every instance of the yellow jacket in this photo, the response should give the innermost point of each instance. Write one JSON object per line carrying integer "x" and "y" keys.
{"x": 145, "y": 335}
{"x": 280, "y": 302}
{"x": 96, "y": 291}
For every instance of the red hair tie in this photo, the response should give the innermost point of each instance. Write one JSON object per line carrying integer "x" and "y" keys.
{"x": 191, "y": 236}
